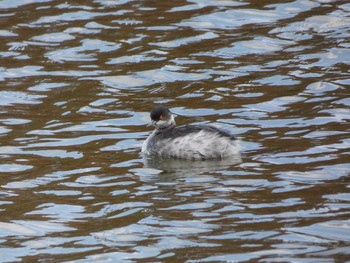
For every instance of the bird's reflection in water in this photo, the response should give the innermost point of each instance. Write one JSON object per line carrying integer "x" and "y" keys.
{"x": 186, "y": 167}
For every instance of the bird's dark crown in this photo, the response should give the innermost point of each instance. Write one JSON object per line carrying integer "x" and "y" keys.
{"x": 159, "y": 113}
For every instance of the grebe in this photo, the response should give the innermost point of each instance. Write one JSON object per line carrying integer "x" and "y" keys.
{"x": 190, "y": 142}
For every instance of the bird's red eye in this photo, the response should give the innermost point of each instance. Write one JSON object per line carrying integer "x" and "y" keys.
{"x": 161, "y": 117}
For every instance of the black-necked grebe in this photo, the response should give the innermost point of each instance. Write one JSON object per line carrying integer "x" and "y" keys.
{"x": 191, "y": 142}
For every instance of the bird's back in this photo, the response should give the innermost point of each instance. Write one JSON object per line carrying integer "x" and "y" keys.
{"x": 193, "y": 142}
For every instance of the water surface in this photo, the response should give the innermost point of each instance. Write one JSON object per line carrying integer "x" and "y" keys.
{"x": 78, "y": 79}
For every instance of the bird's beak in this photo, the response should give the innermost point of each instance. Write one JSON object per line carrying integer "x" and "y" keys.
{"x": 153, "y": 123}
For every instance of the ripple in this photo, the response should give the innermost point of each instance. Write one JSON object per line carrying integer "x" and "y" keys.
{"x": 9, "y": 150}
{"x": 7, "y": 33}
{"x": 11, "y": 4}
{"x": 148, "y": 78}
{"x": 43, "y": 87}
{"x": 223, "y": 20}
{"x": 328, "y": 58}
{"x": 31, "y": 228}
{"x": 13, "y": 168}
{"x": 61, "y": 212}
{"x": 335, "y": 230}
{"x": 325, "y": 173}
{"x": 135, "y": 59}
{"x": 14, "y": 121}
{"x": 54, "y": 37}
{"x": 186, "y": 41}
{"x": 71, "y": 16}
{"x": 318, "y": 24}
{"x": 47, "y": 178}
{"x": 82, "y": 53}
{"x": 19, "y": 73}
{"x": 259, "y": 45}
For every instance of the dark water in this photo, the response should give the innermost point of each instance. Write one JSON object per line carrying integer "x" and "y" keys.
{"x": 78, "y": 79}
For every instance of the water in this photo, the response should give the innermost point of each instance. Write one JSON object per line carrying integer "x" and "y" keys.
{"x": 78, "y": 79}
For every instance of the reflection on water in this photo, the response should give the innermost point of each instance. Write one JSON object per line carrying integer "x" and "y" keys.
{"x": 77, "y": 83}
{"x": 184, "y": 167}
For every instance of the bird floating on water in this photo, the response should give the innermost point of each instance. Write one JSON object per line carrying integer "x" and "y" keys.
{"x": 189, "y": 142}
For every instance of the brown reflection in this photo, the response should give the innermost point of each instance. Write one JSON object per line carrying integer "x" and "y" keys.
{"x": 77, "y": 82}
